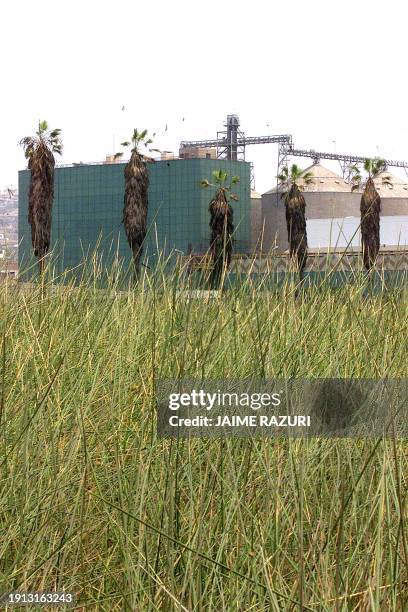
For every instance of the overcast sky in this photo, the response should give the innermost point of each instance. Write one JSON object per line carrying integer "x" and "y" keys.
{"x": 333, "y": 74}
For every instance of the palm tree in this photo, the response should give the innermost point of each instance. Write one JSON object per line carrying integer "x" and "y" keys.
{"x": 291, "y": 182}
{"x": 135, "y": 207}
{"x": 370, "y": 207}
{"x": 221, "y": 224}
{"x": 39, "y": 150}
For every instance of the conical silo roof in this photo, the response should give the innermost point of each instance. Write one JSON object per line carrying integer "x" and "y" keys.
{"x": 398, "y": 188}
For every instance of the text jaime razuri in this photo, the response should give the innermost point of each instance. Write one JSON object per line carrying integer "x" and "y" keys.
{"x": 203, "y": 403}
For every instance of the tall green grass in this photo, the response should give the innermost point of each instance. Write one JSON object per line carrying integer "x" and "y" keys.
{"x": 92, "y": 502}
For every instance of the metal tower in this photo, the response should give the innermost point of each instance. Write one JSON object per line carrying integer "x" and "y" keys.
{"x": 232, "y": 149}
{"x": 230, "y": 144}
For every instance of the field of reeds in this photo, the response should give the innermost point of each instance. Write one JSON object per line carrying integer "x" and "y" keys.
{"x": 92, "y": 502}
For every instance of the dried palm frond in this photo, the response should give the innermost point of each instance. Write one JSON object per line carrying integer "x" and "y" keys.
{"x": 291, "y": 182}
{"x": 221, "y": 224}
{"x": 39, "y": 150}
{"x": 370, "y": 207}
{"x": 295, "y": 208}
{"x": 135, "y": 207}
{"x": 40, "y": 200}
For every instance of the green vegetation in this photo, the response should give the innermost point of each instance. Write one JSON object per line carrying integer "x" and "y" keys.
{"x": 92, "y": 502}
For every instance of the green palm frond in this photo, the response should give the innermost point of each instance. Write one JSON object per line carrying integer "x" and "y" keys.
{"x": 220, "y": 178}
{"x": 296, "y": 173}
{"x": 42, "y": 127}
{"x": 294, "y": 176}
{"x": 307, "y": 178}
{"x": 379, "y": 166}
{"x": 45, "y": 137}
{"x": 137, "y": 139}
{"x": 284, "y": 175}
{"x": 355, "y": 176}
{"x": 354, "y": 169}
{"x": 368, "y": 164}
{"x": 375, "y": 166}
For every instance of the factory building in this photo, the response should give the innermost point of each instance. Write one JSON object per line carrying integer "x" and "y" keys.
{"x": 394, "y": 210}
{"x": 333, "y": 213}
{"x": 88, "y": 205}
{"x": 198, "y": 153}
{"x": 88, "y": 208}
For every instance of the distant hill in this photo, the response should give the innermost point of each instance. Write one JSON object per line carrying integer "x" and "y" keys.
{"x": 9, "y": 222}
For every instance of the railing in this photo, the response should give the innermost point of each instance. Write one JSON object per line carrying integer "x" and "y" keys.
{"x": 123, "y": 161}
{"x": 241, "y": 141}
{"x": 92, "y": 163}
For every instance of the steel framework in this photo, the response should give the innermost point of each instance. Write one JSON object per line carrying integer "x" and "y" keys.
{"x": 231, "y": 144}
{"x": 226, "y": 149}
{"x": 345, "y": 160}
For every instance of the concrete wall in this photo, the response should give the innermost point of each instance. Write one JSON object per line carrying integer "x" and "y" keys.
{"x": 274, "y": 222}
{"x": 256, "y": 223}
{"x": 394, "y": 206}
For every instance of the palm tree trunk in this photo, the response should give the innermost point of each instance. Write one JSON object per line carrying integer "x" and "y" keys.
{"x": 222, "y": 228}
{"x": 136, "y": 206}
{"x": 370, "y": 207}
{"x": 295, "y": 206}
{"x": 40, "y": 201}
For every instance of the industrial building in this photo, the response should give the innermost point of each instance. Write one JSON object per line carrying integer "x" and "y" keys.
{"x": 88, "y": 205}
{"x": 333, "y": 213}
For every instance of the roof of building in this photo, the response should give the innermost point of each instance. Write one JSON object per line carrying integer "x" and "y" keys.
{"x": 397, "y": 189}
{"x": 324, "y": 180}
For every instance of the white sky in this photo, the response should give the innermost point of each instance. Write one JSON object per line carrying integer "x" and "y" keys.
{"x": 331, "y": 73}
